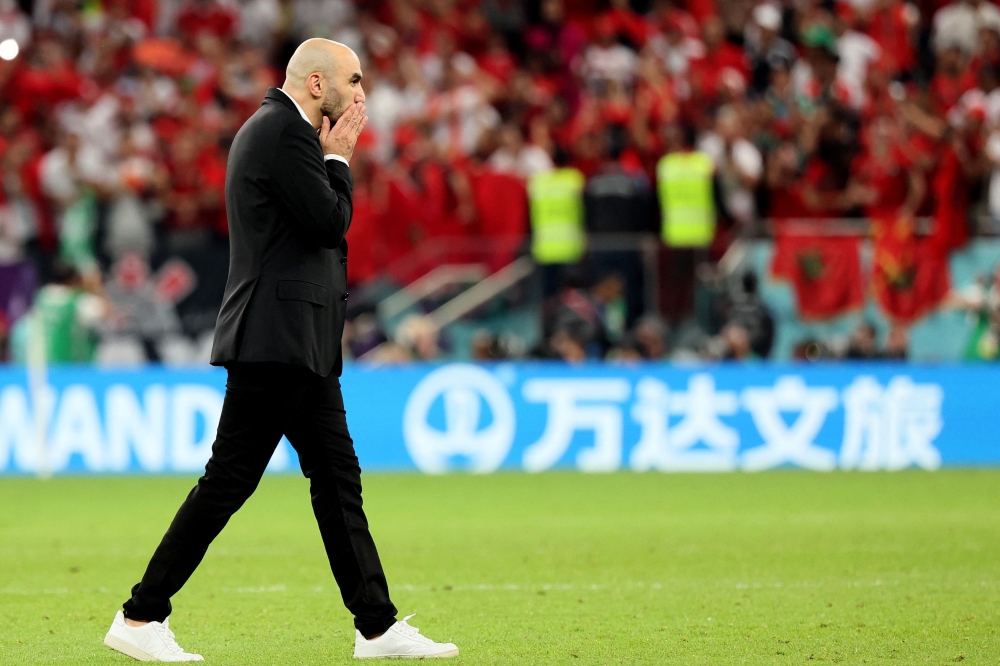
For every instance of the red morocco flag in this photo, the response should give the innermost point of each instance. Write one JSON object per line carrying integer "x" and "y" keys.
{"x": 909, "y": 274}
{"x": 825, "y": 272}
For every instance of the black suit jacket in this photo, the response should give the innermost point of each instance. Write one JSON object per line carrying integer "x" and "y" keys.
{"x": 288, "y": 213}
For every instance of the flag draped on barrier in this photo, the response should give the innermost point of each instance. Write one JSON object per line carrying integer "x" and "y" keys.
{"x": 824, "y": 270}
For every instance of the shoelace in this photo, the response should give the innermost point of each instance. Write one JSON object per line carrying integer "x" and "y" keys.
{"x": 168, "y": 638}
{"x": 407, "y": 630}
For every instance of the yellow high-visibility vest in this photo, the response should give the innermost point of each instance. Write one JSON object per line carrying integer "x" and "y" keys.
{"x": 684, "y": 184}
{"x": 556, "y": 202}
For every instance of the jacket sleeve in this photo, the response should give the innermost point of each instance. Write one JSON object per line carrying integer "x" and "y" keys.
{"x": 316, "y": 194}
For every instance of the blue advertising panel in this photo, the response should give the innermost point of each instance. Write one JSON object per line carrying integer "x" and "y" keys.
{"x": 531, "y": 417}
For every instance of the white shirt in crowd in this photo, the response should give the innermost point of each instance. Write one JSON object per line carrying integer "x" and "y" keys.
{"x": 676, "y": 58}
{"x": 388, "y": 106}
{"x": 463, "y": 114}
{"x": 257, "y": 21}
{"x": 959, "y": 24}
{"x": 14, "y": 24}
{"x": 531, "y": 159}
{"x": 612, "y": 63}
{"x": 992, "y": 149}
{"x": 739, "y": 158}
{"x": 857, "y": 52}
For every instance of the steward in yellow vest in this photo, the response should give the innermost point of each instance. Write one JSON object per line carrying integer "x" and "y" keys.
{"x": 555, "y": 200}
{"x": 687, "y": 207}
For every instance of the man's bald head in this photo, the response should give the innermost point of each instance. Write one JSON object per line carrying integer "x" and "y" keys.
{"x": 326, "y": 71}
{"x": 317, "y": 55}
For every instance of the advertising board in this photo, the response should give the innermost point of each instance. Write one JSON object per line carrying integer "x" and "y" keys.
{"x": 531, "y": 417}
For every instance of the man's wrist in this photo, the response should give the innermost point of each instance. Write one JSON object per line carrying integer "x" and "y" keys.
{"x": 334, "y": 156}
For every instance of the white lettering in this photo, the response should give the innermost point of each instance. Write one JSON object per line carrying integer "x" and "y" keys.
{"x": 463, "y": 390}
{"x": 131, "y": 428}
{"x": 190, "y": 400}
{"x": 566, "y": 416}
{"x": 784, "y": 444}
{"x": 77, "y": 429}
{"x": 672, "y": 449}
{"x": 17, "y": 431}
{"x": 891, "y": 428}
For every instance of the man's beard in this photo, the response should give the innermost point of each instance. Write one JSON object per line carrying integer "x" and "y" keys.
{"x": 333, "y": 106}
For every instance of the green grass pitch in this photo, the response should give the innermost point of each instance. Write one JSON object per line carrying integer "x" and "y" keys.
{"x": 561, "y": 568}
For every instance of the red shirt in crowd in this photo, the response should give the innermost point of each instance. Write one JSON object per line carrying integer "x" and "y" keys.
{"x": 786, "y": 203}
{"x": 33, "y": 88}
{"x": 626, "y": 23}
{"x": 366, "y": 237}
{"x": 701, "y": 9}
{"x": 946, "y": 90}
{"x": 708, "y": 73}
{"x": 890, "y": 29}
{"x": 207, "y": 16}
{"x": 819, "y": 189}
{"x": 888, "y": 176}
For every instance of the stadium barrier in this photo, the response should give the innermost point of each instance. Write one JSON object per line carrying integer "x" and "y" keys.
{"x": 532, "y": 417}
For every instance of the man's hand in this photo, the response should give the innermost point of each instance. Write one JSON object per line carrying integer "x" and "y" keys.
{"x": 340, "y": 139}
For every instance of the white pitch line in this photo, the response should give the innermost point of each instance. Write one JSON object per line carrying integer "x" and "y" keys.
{"x": 256, "y": 590}
{"x": 526, "y": 587}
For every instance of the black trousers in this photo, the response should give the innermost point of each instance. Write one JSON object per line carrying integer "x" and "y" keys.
{"x": 263, "y": 402}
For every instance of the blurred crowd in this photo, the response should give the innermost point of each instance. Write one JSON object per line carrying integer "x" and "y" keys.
{"x": 116, "y": 117}
{"x": 586, "y": 322}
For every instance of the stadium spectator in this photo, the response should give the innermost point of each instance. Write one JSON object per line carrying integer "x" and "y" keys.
{"x": 607, "y": 61}
{"x": 419, "y": 336}
{"x": 64, "y": 319}
{"x": 515, "y": 157}
{"x": 765, "y": 46}
{"x": 982, "y": 301}
{"x": 200, "y": 17}
{"x": 115, "y": 121}
{"x": 587, "y": 320}
{"x": 749, "y": 313}
{"x": 487, "y": 347}
{"x": 958, "y": 24}
{"x": 14, "y": 24}
{"x": 897, "y": 344}
{"x": 652, "y": 335}
{"x": 731, "y": 344}
{"x": 738, "y": 163}
{"x": 862, "y": 345}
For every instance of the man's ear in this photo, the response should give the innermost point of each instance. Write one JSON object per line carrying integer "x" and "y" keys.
{"x": 316, "y": 85}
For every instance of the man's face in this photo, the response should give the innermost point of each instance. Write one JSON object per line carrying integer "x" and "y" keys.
{"x": 343, "y": 89}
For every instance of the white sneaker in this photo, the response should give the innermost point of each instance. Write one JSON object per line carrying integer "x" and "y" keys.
{"x": 151, "y": 642}
{"x": 401, "y": 641}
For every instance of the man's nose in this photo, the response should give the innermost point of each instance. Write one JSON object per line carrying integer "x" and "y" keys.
{"x": 359, "y": 96}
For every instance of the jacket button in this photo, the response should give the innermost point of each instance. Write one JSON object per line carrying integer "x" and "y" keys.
{"x": 344, "y": 297}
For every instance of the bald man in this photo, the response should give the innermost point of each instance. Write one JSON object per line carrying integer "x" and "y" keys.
{"x": 288, "y": 198}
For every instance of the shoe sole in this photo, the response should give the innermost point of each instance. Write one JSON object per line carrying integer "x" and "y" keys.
{"x": 443, "y": 655}
{"x": 119, "y": 645}
{"x": 125, "y": 648}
